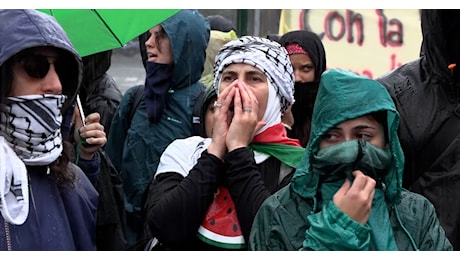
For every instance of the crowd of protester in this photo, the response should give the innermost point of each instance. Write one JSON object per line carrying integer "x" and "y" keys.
{"x": 233, "y": 142}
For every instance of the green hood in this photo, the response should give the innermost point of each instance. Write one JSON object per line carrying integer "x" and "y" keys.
{"x": 188, "y": 32}
{"x": 342, "y": 96}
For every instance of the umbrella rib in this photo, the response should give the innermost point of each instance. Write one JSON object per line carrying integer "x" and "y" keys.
{"x": 108, "y": 27}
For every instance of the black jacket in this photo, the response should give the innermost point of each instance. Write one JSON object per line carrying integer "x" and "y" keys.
{"x": 176, "y": 206}
{"x": 426, "y": 95}
{"x": 99, "y": 91}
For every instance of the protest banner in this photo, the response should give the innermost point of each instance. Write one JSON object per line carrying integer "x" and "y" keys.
{"x": 369, "y": 42}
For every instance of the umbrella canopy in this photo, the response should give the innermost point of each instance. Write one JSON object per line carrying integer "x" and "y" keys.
{"x": 96, "y": 30}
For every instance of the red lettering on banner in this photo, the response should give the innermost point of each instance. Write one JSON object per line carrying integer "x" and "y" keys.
{"x": 329, "y": 20}
{"x": 345, "y": 25}
{"x": 393, "y": 38}
{"x": 337, "y": 26}
{"x": 348, "y": 25}
{"x": 393, "y": 63}
{"x": 303, "y": 14}
{"x": 368, "y": 72}
{"x": 365, "y": 72}
{"x": 355, "y": 19}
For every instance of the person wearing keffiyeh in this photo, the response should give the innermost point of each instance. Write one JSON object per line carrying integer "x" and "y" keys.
{"x": 46, "y": 202}
{"x": 206, "y": 191}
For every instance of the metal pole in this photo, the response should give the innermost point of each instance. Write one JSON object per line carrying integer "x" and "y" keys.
{"x": 256, "y": 22}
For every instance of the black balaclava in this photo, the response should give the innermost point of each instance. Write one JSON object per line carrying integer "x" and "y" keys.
{"x": 450, "y": 27}
{"x": 302, "y": 109}
{"x": 305, "y": 92}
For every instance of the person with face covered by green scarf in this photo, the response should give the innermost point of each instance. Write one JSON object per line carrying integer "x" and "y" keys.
{"x": 347, "y": 194}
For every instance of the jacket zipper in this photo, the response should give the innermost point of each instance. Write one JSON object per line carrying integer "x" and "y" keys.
{"x": 7, "y": 235}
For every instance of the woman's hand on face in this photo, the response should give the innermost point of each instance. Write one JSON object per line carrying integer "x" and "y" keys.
{"x": 93, "y": 133}
{"x": 356, "y": 200}
{"x": 245, "y": 119}
{"x": 222, "y": 118}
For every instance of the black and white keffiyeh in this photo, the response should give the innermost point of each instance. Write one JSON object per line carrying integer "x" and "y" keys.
{"x": 264, "y": 54}
{"x": 30, "y": 134}
{"x": 14, "y": 190}
{"x": 32, "y": 126}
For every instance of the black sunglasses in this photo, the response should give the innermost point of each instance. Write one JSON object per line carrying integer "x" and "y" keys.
{"x": 37, "y": 66}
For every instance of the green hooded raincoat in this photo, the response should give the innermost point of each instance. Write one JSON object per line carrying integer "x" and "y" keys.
{"x": 295, "y": 218}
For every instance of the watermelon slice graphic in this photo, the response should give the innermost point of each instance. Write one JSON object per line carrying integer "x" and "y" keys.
{"x": 221, "y": 227}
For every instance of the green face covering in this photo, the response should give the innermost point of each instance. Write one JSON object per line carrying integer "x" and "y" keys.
{"x": 338, "y": 161}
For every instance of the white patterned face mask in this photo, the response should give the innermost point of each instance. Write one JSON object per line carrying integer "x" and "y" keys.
{"x": 30, "y": 134}
{"x": 14, "y": 186}
{"x": 31, "y": 125}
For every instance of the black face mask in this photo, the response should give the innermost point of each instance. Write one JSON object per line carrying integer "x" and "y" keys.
{"x": 450, "y": 25}
{"x": 304, "y": 95}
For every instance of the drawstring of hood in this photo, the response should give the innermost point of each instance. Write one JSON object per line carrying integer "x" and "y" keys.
{"x": 414, "y": 245}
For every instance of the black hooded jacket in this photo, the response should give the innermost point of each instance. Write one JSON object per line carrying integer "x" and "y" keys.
{"x": 99, "y": 91}
{"x": 305, "y": 93}
{"x": 426, "y": 96}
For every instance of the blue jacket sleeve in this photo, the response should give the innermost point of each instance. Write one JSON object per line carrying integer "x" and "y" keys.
{"x": 91, "y": 168}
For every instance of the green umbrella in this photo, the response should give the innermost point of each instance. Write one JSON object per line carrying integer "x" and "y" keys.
{"x": 96, "y": 30}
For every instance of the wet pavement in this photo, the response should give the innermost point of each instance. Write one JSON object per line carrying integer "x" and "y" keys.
{"x": 126, "y": 67}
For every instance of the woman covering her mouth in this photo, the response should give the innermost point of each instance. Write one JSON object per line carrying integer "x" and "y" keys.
{"x": 206, "y": 191}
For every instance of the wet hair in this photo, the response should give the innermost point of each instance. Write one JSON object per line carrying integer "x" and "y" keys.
{"x": 60, "y": 169}
{"x": 159, "y": 36}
